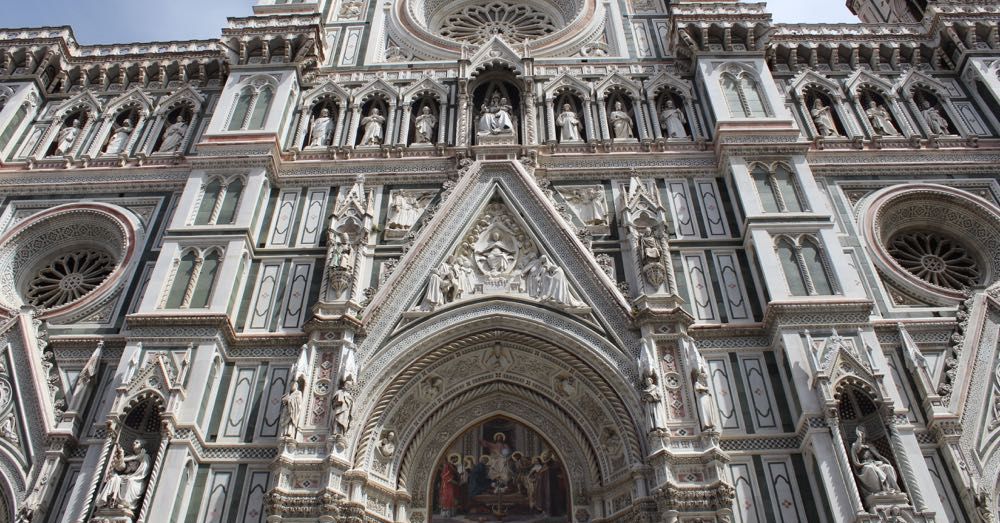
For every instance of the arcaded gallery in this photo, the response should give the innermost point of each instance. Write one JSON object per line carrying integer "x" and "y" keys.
{"x": 533, "y": 261}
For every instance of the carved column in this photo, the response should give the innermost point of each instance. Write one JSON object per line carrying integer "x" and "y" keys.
{"x": 602, "y": 113}
{"x": 850, "y": 128}
{"x": 154, "y": 475}
{"x": 136, "y": 132}
{"x": 338, "y": 132}
{"x": 846, "y": 470}
{"x": 404, "y": 125}
{"x": 390, "y": 125}
{"x": 550, "y": 120}
{"x": 84, "y": 133}
{"x": 588, "y": 120}
{"x": 301, "y": 132}
{"x": 442, "y": 111}
{"x": 640, "y": 120}
{"x": 102, "y": 131}
{"x": 654, "y": 120}
{"x": 352, "y": 133}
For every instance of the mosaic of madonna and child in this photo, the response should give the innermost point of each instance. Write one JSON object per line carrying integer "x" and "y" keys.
{"x": 500, "y": 470}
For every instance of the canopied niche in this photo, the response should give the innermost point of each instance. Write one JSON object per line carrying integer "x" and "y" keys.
{"x": 496, "y": 104}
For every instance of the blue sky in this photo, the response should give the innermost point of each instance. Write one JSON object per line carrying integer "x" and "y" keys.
{"x": 121, "y": 21}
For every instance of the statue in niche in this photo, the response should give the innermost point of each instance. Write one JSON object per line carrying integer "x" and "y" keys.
{"x": 874, "y": 472}
{"x": 590, "y": 205}
{"x": 291, "y": 411}
{"x": 126, "y": 482}
{"x": 703, "y": 394}
{"x": 494, "y": 117}
{"x": 372, "y": 124}
{"x": 672, "y": 121}
{"x": 119, "y": 137}
{"x": 319, "y": 131}
{"x": 424, "y": 125}
{"x": 881, "y": 120}
{"x": 174, "y": 135}
{"x": 936, "y": 121}
{"x": 823, "y": 118}
{"x": 405, "y": 209}
{"x": 340, "y": 250}
{"x": 343, "y": 401}
{"x": 651, "y": 257}
{"x": 387, "y": 444}
{"x": 67, "y": 137}
{"x": 621, "y": 123}
{"x": 650, "y": 395}
{"x": 495, "y": 253}
{"x": 569, "y": 125}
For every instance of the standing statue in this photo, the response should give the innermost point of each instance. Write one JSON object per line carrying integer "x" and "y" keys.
{"x": 373, "y": 127}
{"x": 703, "y": 394}
{"x": 67, "y": 137}
{"x": 174, "y": 135}
{"x": 424, "y": 125}
{"x": 823, "y": 118}
{"x": 874, "y": 472}
{"x": 651, "y": 396}
{"x": 621, "y": 123}
{"x": 936, "y": 121}
{"x": 319, "y": 131}
{"x": 881, "y": 120}
{"x": 672, "y": 121}
{"x": 119, "y": 138}
{"x": 126, "y": 482}
{"x": 342, "y": 403}
{"x": 404, "y": 210}
{"x": 569, "y": 125}
{"x": 291, "y": 411}
{"x": 590, "y": 205}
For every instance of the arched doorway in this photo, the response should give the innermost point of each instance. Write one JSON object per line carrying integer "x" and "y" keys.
{"x": 499, "y": 469}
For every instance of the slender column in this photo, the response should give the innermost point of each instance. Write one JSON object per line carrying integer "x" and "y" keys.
{"x": 154, "y": 476}
{"x": 390, "y": 122}
{"x": 654, "y": 121}
{"x": 442, "y": 110}
{"x": 95, "y": 148}
{"x": 550, "y": 120}
{"x": 352, "y": 134}
{"x": 300, "y": 134}
{"x": 404, "y": 126}
{"x": 339, "y": 131}
{"x": 602, "y": 113}
{"x": 850, "y": 127}
{"x": 84, "y": 133}
{"x": 136, "y": 132}
{"x": 588, "y": 120}
{"x": 193, "y": 282}
{"x": 98, "y": 477}
{"x": 217, "y": 208}
{"x": 640, "y": 120}
{"x": 846, "y": 471}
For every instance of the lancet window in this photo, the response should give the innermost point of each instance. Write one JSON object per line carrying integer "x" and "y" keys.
{"x": 805, "y": 266}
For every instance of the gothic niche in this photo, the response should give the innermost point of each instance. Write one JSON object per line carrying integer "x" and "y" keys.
{"x": 569, "y": 118}
{"x": 671, "y": 116}
{"x": 621, "y": 116}
{"x": 868, "y": 448}
{"x": 406, "y": 206}
{"x": 823, "y": 113}
{"x": 933, "y": 113}
{"x": 69, "y": 133}
{"x": 500, "y": 470}
{"x": 373, "y": 119}
{"x": 175, "y": 130}
{"x": 496, "y": 106}
{"x": 322, "y": 120}
{"x": 425, "y": 120}
{"x": 122, "y": 128}
{"x": 135, "y": 443}
{"x": 880, "y": 118}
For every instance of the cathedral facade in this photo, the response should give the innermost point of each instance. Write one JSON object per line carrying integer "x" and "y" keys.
{"x": 544, "y": 261}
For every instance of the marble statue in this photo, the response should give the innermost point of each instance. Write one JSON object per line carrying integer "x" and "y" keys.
{"x": 319, "y": 131}
{"x": 495, "y": 117}
{"x": 823, "y": 118}
{"x": 424, "y": 125}
{"x": 387, "y": 444}
{"x": 174, "y": 135}
{"x": 464, "y": 282}
{"x": 373, "y": 125}
{"x": 881, "y": 120}
{"x": 874, "y": 472}
{"x": 496, "y": 254}
{"x": 672, "y": 121}
{"x": 126, "y": 482}
{"x": 291, "y": 411}
{"x": 936, "y": 121}
{"x": 119, "y": 138}
{"x": 67, "y": 137}
{"x": 650, "y": 395}
{"x": 569, "y": 125}
{"x": 621, "y": 123}
{"x": 343, "y": 401}
{"x": 404, "y": 209}
{"x": 547, "y": 282}
{"x": 440, "y": 286}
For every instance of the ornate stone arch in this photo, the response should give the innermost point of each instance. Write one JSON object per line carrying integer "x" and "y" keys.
{"x": 133, "y": 100}
{"x": 84, "y": 103}
{"x": 913, "y": 82}
{"x": 567, "y": 82}
{"x": 618, "y": 81}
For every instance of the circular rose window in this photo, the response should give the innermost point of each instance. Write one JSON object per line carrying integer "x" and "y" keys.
{"x": 71, "y": 258}
{"x": 516, "y": 23}
{"x": 932, "y": 240}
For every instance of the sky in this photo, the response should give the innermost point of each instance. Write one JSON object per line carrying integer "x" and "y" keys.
{"x": 125, "y": 21}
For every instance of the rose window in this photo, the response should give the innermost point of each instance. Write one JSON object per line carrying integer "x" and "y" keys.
{"x": 936, "y": 259}
{"x": 513, "y": 22}
{"x": 69, "y": 277}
